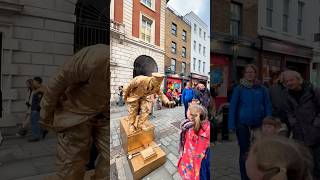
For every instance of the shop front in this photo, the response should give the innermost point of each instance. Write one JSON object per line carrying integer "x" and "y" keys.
{"x": 197, "y": 78}
{"x": 175, "y": 82}
{"x": 277, "y": 56}
{"x": 219, "y": 77}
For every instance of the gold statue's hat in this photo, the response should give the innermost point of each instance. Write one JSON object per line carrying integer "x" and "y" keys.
{"x": 157, "y": 75}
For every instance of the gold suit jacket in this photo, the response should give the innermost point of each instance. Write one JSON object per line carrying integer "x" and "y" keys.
{"x": 141, "y": 87}
{"x": 79, "y": 91}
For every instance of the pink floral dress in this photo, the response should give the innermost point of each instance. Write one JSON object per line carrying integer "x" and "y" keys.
{"x": 194, "y": 151}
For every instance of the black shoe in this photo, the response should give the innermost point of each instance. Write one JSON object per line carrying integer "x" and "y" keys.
{"x": 33, "y": 140}
{"x": 22, "y": 132}
{"x": 44, "y": 134}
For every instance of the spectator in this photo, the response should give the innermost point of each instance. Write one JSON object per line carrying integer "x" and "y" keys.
{"x": 194, "y": 144}
{"x": 270, "y": 127}
{"x": 177, "y": 97}
{"x": 303, "y": 110}
{"x": 278, "y": 158}
{"x": 250, "y": 103}
{"x": 35, "y": 109}
{"x": 187, "y": 96}
{"x": 120, "y": 94}
{"x": 23, "y": 129}
{"x": 278, "y": 100}
{"x": 169, "y": 95}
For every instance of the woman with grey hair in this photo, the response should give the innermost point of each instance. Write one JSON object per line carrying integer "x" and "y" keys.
{"x": 303, "y": 110}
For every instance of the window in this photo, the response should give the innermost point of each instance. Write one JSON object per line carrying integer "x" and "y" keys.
{"x": 200, "y": 31}
{"x": 285, "y": 17}
{"x": 145, "y": 30}
{"x": 173, "y": 47}
{"x": 183, "y": 67}
{"x": 204, "y": 35}
{"x": 173, "y": 65}
{"x": 184, "y": 52}
{"x": 199, "y": 65}
{"x": 184, "y": 35}
{"x": 195, "y": 28}
{"x": 235, "y": 21}
{"x": 204, "y": 66}
{"x": 199, "y": 48}
{"x": 300, "y": 18}
{"x": 194, "y": 63}
{"x": 204, "y": 51}
{"x": 147, "y": 3}
{"x": 269, "y": 13}
{"x": 174, "y": 29}
{"x": 194, "y": 45}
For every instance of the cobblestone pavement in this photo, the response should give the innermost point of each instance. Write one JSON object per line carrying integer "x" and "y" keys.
{"x": 166, "y": 123}
{"x": 224, "y": 161}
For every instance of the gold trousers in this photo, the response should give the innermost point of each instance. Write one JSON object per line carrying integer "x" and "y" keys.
{"x": 134, "y": 107}
{"x": 74, "y": 148}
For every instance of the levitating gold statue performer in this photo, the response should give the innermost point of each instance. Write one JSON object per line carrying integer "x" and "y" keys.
{"x": 135, "y": 96}
{"x": 75, "y": 105}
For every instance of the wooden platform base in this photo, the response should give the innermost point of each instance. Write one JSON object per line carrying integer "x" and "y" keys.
{"x": 140, "y": 167}
{"x": 136, "y": 140}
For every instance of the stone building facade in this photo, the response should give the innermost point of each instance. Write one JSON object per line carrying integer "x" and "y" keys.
{"x": 37, "y": 37}
{"x": 137, "y": 40}
{"x": 177, "y": 49}
{"x": 200, "y": 45}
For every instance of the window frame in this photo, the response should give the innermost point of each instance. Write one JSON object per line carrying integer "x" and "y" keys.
{"x": 173, "y": 49}
{"x": 174, "y": 65}
{"x": 237, "y": 21}
{"x": 184, "y": 35}
{"x": 269, "y": 11}
{"x": 174, "y": 32}
{"x": 151, "y": 21}
{"x": 285, "y": 15}
{"x": 184, "y": 52}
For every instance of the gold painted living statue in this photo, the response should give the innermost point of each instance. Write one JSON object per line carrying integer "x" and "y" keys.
{"x": 135, "y": 96}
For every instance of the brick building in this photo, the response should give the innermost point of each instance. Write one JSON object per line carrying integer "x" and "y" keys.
{"x": 177, "y": 50}
{"x": 137, "y": 40}
{"x": 36, "y": 38}
{"x": 233, "y": 35}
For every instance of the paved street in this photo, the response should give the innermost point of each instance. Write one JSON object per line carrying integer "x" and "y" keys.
{"x": 33, "y": 161}
{"x": 166, "y": 123}
{"x": 224, "y": 156}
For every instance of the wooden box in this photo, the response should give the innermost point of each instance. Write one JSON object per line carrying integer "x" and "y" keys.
{"x": 140, "y": 167}
{"x": 133, "y": 141}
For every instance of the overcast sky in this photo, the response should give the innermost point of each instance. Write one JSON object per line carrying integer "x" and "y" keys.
{"x": 199, "y": 7}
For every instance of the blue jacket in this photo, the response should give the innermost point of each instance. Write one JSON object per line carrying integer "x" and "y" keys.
{"x": 187, "y": 95}
{"x": 249, "y": 106}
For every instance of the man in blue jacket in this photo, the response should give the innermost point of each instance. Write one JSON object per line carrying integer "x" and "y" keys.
{"x": 250, "y": 104}
{"x": 187, "y": 96}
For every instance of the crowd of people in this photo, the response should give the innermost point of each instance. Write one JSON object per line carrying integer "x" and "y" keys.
{"x": 288, "y": 109}
{"x": 277, "y": 128}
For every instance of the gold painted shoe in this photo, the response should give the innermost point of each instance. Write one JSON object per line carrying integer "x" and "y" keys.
{"x": 132, "y": 129}
{"x": 144, "y": 127}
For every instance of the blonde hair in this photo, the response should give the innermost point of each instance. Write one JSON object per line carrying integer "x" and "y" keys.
{"x": 198, "y": 115}
{"x": 282, "y": 159}
{"x": 292, "y": 73}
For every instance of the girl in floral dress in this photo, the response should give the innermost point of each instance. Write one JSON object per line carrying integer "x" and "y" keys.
{"x": 194, "y": 144}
